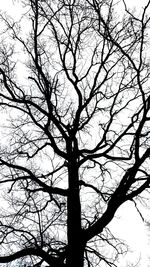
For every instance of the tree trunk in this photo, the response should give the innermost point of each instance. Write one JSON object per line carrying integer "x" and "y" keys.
{"x": 75, "y": 255}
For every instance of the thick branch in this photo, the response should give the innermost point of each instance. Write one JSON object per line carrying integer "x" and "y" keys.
{"x": 29, "y": 252}
{"x": 46, "y": 188}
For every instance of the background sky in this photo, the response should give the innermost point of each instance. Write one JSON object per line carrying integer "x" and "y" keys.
{"x": 128, "y": 223}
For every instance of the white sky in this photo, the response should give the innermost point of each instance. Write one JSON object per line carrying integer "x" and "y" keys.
{"x": 130, "y": 227}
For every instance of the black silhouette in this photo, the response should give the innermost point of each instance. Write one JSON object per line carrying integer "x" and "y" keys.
{"x": 75, "y": 139}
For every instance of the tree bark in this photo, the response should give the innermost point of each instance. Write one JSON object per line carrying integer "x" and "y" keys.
{"x": 75, "y": 255}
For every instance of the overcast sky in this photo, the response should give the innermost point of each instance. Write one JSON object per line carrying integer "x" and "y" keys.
{"x": 131, "y": 226}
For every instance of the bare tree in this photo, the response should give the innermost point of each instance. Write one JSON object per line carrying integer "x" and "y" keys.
{"x": 75, "y": 93}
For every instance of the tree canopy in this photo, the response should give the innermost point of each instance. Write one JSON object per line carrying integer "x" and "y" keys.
{"x": 74, "y": 91}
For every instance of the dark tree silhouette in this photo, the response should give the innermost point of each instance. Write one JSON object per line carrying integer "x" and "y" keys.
{"x": 74, "y": 79}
